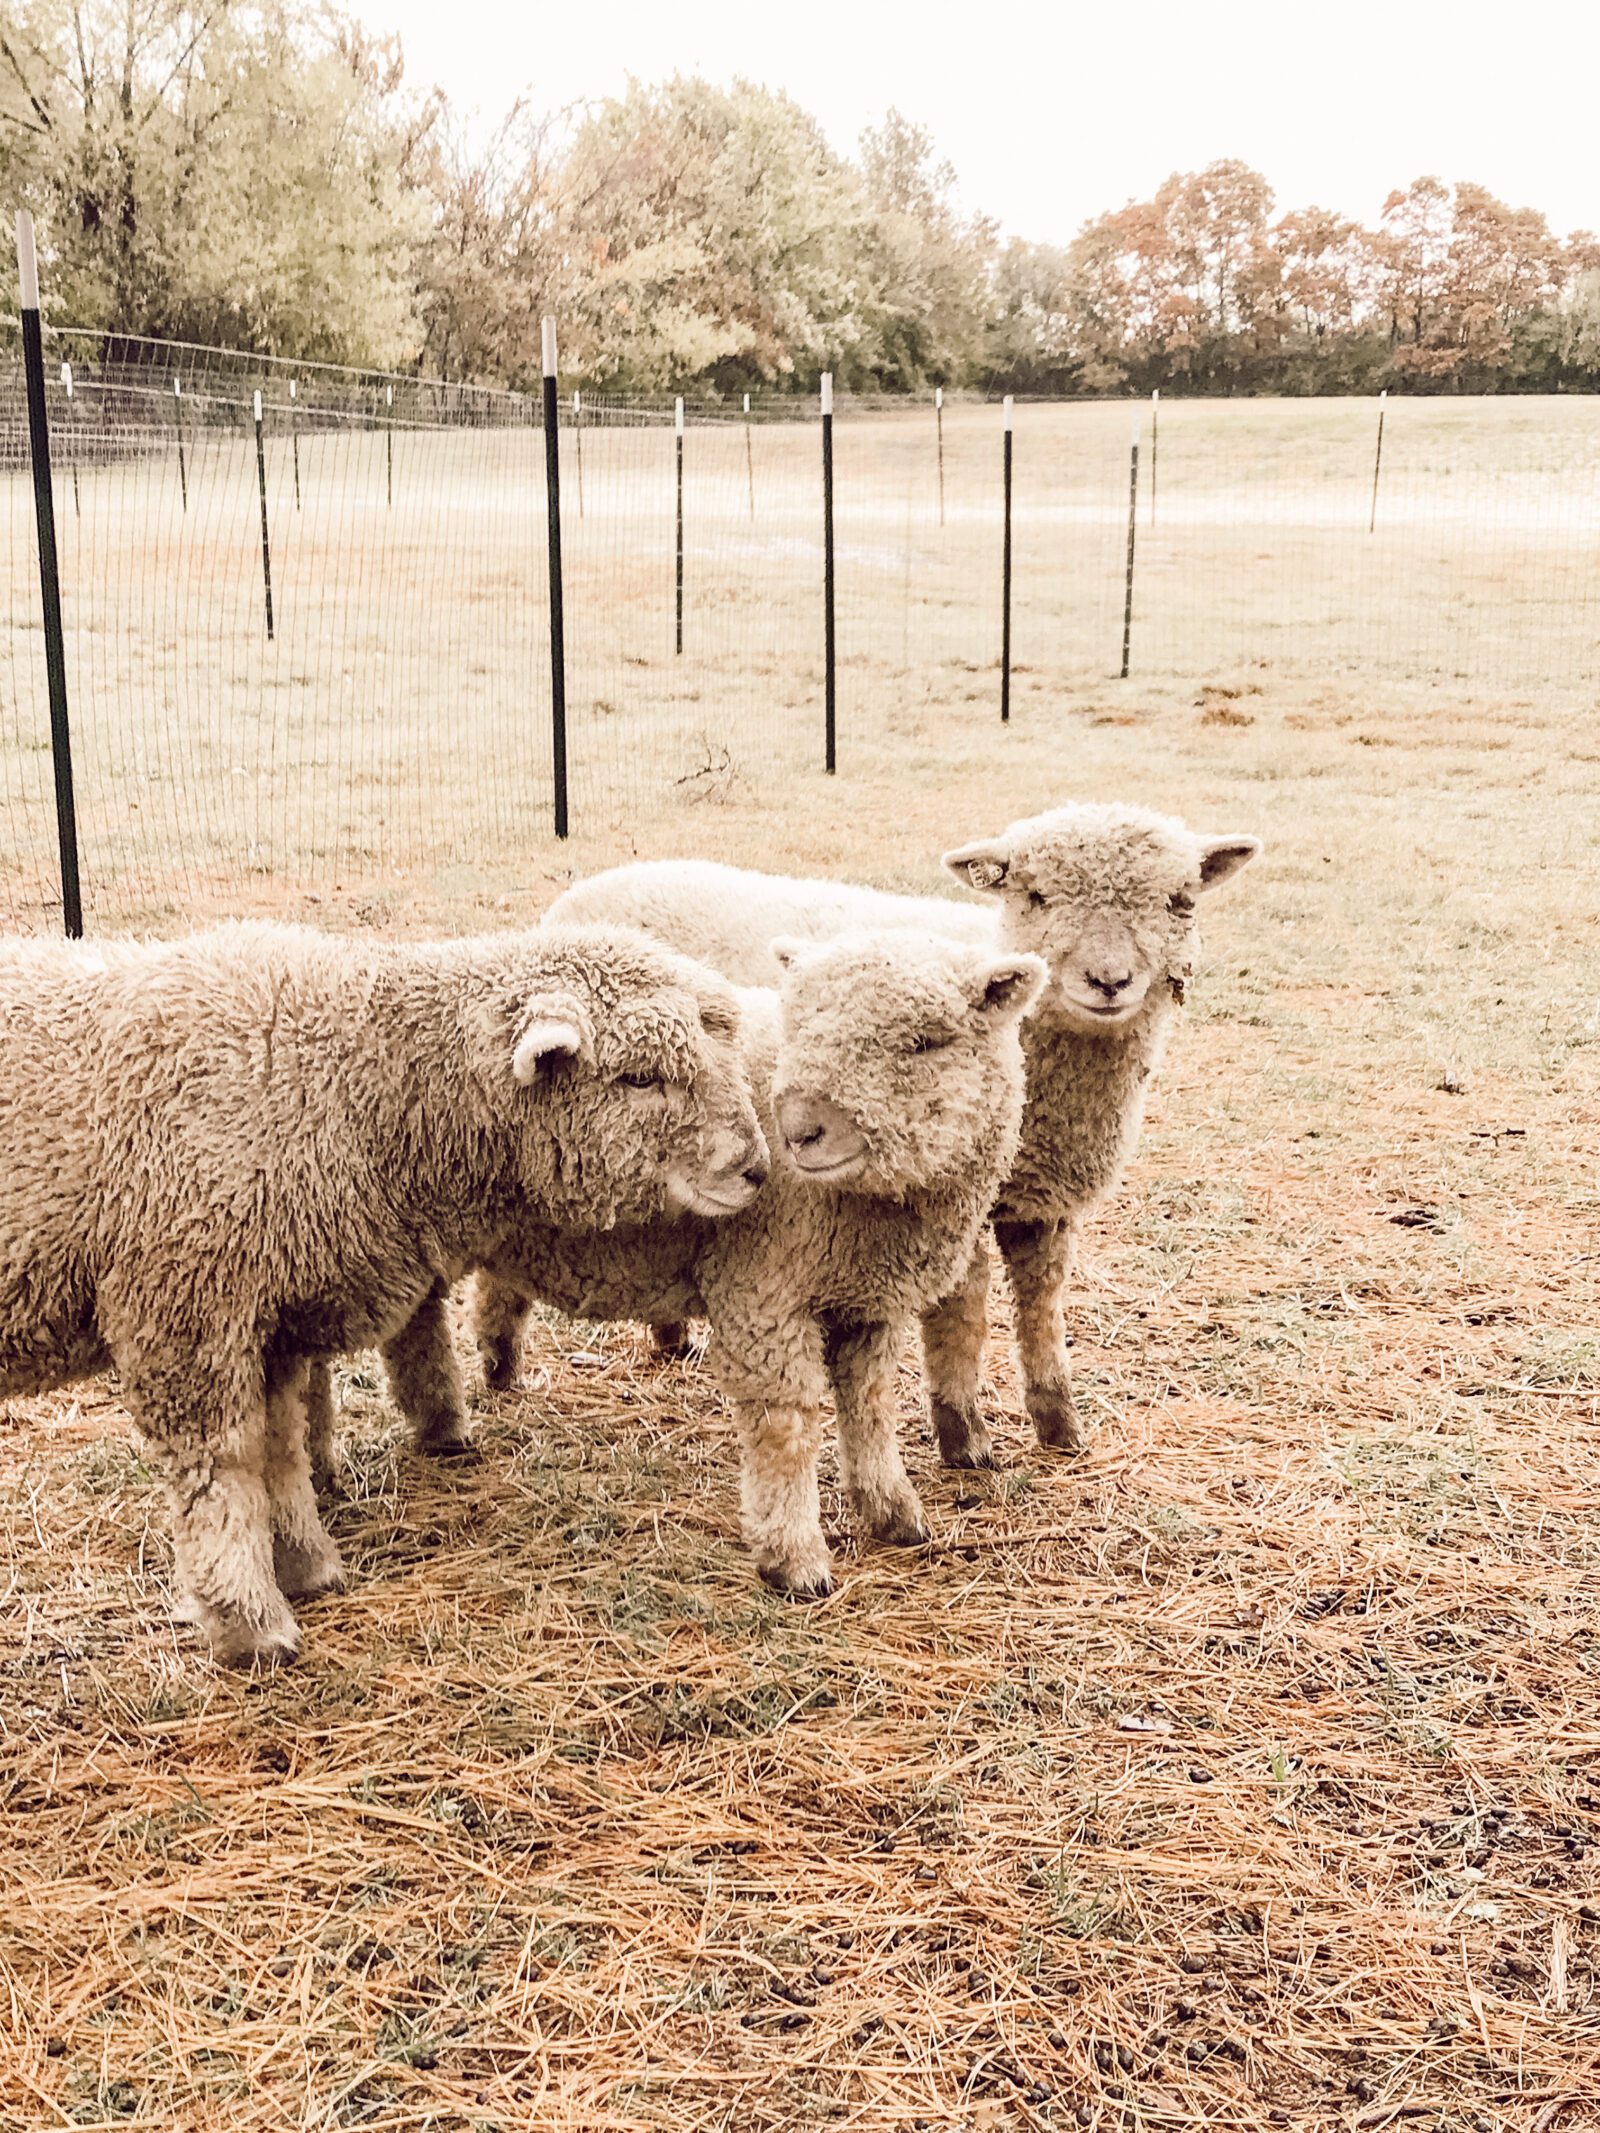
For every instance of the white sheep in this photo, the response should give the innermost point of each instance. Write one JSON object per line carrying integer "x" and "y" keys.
{"x": 1107, "y": 895}
{"x": 227, "y": 1155}
{"x": 889, "y": 1070}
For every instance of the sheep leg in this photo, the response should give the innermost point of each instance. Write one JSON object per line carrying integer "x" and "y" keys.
{"x": 499, "y": 1313}
{"x": 425, "y": 1383}
{"x": 782, "y": 1509}
{"x": 207, "y": 1422}
{"x": 305, "y": 1558}
{"x": 322, "y": 1450}
{"x": 861, "y": 1363}
{"x": 1037, "y": 1257}
{"x": 952, "y": 1359}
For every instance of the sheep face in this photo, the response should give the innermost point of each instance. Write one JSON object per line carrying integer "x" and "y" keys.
{"x": 632, "y": 1060}
{"x": 1108, "y": 896}
{"x": 898, "y": 1058}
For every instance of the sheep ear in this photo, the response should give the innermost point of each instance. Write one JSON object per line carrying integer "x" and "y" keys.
{"x": 1006, "y": 989}
{"x": 1222, "y": 857}
{"x": 788, "y": 951}
{"x": 556, "y": 1031}
{"x": 983, "y": 865}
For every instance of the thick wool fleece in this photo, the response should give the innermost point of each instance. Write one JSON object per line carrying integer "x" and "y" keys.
{"x": 735, "y": 915}
{"x": 223, "y": 1156}
{"x": 1104, "y": 893}
{"x": 915, "y": 1041}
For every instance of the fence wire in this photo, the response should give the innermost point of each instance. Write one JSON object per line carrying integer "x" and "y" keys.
{"x": 396, "y": 721}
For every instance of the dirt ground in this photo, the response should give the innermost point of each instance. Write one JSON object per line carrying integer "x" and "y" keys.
{"x": 1243, "y": 1772}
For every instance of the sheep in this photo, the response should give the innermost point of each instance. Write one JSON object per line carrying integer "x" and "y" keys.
{"x": 888, "y": 1069}
{"x": 224, "y": 1157}
{"x": 1107, "y": 895}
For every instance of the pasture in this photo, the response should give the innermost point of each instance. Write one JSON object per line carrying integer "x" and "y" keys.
{"x": 1242, "y": 1772}
{"x": 392, "y": 741}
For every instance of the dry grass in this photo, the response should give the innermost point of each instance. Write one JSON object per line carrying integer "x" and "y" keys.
{"x": 1242, "y": 1773}
{"x": 394, "y": 737}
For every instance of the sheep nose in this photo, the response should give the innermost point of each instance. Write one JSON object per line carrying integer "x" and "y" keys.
{"x": 818, "y": 1134}
{"x": 1110, "y": 986}
{"x": 755, "y": 1173}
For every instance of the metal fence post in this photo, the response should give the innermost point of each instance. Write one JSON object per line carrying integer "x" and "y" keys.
{"x": 577, "y": 441}
{"x": 55, "y": 649}
{"x": 1377, "y": 461}
{"x": 177, "y": 417}
{"x": 938, "y": 425}
{"x": 1133, "y": 508}
{"x": 1005, "y": 577}
{"x": 294, "y": 435}
{"x": 266, "y": 544}
{"x": 558, "y": 642}
{"x": 830, "y": 678}
{"x": 677, "y": 642}
{"x": 72, "y": 439}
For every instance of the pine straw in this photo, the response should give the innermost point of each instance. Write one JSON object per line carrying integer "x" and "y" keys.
{"x": 1244, "y": 1772}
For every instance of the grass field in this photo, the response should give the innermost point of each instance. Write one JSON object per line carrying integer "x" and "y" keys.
{"x": 1241, "y": 1773}
{"x": 394, "y": 735}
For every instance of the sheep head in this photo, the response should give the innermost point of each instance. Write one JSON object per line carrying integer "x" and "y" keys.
{"x": 899, "y": 1063}
{"x": 1108, "y": 896}
{"x": 624, "y": 1069}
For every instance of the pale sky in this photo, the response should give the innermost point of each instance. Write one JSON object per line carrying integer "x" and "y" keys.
{"x": 1052, "y": 115}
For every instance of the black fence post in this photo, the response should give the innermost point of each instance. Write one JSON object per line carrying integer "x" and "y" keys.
{"x": 677, "y": 424}
{"x": 72, "y": 438}
{"x": 55, "y": 647}
{"x": 938, "y": 425}
{"x": 577, "y": 440}
{"x": 266, "y": 544}
{"x": 177, "y": 417}
{"x": 1377, "y": 462}
{"x": 294, "y": 435}
{"x": 829, "y": 664}
{"x": 749, "y": 457}
{"x": 558, "y": 641}
{"x": 1005, "y": 580}
{"x": 1133, "y": 507}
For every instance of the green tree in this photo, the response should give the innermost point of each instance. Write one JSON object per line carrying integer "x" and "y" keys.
{"x": 208, "y": 170}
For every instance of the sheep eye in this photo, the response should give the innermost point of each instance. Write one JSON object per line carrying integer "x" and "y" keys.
{"x": 640, "y": 1081}
{"x": 1181, "y": 905}
{"x": 1035, "y": 901}
{"x": 930, "y": 1044}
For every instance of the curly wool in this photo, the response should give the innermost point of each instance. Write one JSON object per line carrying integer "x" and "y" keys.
{"x": 1073, "y": 885}
{"x": 813, "y": 1284}
{"x": 222, "y": 1156}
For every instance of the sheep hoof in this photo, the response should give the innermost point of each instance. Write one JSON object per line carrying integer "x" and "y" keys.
{"x": 306, "y": 1573}
{"x": 901, "y": 1525}
{"x": 244, "y": 1645}
{"x": 962, "y": 1435}
{"x": 1055, "y": 1420}
{"x": 797, "y": 1584}
{"x": 672, "y": 1342}
{"x": 450, "y": 1443}
{"x": 905, "y": 1532}
{"x": 499, "y": 1365}
{"x": 328, "y": 1477}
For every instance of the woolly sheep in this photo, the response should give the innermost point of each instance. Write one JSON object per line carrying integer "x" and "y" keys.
{"x": 1107, "y": 895}
{"x": 223, "y": 1156}
{"x": 889, "y": 1071}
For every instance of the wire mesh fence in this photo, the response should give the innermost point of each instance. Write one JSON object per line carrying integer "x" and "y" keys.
{"x": 396, "y": 719}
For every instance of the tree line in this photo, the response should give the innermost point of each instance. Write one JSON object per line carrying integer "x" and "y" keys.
{"x": 260, "y": 174}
